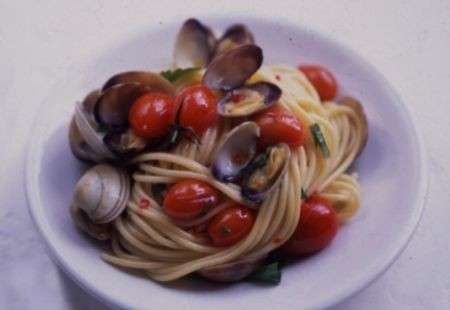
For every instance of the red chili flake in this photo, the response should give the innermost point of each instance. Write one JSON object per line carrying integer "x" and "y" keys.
{"x": 277, "y": 77}
{"x": 144, "y": 203}
{"x": 237, "y": 97}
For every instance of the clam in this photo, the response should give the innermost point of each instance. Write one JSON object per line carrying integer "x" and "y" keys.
{"x": 264, "y": 173}
{"x": 79, "y": 147}
{"x": 234, "y": 36}
{"x": 124, "y": 143}
{"x": 89, "y": 102}
{"x": 86, "y": 141}
{"x": 111, "y": 110}
{"x": 355, "y": 105}
{"x": 230, "y": 272}
{"x": 97, "y": 231}
{"x": 194, "y": 45}
{"x": 236, "y": 152}
{"x": 154, "y": 81}
{"x": 248, "y": 99}
{"x": 102, "y": 193}
{"x": 232, "y": 68}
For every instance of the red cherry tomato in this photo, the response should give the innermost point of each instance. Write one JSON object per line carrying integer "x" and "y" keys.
{"x": 278, "y": 124}
{"x": 322, "y": 80}
{"x": 189, "y": 199}
{"x": 231, "y": 225}
{"x": 152, "y": 114}
{"x": 316, "y": 229}
{"x": 198, "y": 108}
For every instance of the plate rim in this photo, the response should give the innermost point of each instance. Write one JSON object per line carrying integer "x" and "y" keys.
{"x": 34, "y": 154}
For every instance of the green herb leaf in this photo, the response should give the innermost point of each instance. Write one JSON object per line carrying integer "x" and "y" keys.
{"x": 319, "y": 139}
{"x": 304, "y": 194}
{"x": 268, "y": 273}
{"x": 173, "y": 75}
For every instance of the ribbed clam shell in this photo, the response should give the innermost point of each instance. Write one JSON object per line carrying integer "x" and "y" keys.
{"x": 90, "y": 135}
{"x": 103, "y": 192}
{"x": 79, "y": 147}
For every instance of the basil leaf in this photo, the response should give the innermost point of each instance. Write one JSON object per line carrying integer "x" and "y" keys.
{"x": 173, "y": 75}
{"x": 268, "y": 274}
{"x": 304, "y": 194}
{"x": 319, "y": 139}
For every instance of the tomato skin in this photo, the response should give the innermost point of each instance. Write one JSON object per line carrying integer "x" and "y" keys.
{"x": 277, "y": 125}
{"x": 152, "y": 114}
{"x": 189, "y": 199}
{"x": 322, "y": 80}
{"x": 316, "y": 229}
{"x": 198, "y": 108}
{"x": 231, "y": 225}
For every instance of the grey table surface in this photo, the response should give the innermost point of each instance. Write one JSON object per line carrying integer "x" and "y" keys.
{"x": 409, "y": 41}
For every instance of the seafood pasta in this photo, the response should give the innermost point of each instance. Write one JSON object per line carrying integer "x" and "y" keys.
{"x": 212, "y": 167}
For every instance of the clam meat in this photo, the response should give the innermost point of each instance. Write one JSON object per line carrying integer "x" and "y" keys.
{"x": 248, "y": 99}
{"x": 264, "y": 173}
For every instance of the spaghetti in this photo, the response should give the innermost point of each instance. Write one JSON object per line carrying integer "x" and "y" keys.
{"x": 145, "y": 238}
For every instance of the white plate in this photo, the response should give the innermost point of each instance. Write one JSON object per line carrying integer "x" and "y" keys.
{"x": 392, "y": 172}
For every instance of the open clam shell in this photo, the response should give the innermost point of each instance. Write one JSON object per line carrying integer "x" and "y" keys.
{"x": 102, "y": 193}
{"x": 89, "y": 103}
{"x": 234, "y": 36}
{"x": 111, "y": 110}
{"x": 248, "y": 99}
{"x": 125, "y": 143}
{"x": 236, "y": 152}
{"x": 79, "y": 147}
{"x": 84, "y": 138}
{"x": 264, "y": 173}
{"x": 194, "y": 45}
{"x": 232, "y": 68}
{"x": 153, "y": 81}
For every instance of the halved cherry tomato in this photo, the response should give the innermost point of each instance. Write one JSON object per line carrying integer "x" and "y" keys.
{"x": 198, "y": 108}
{"x": 278, "y": 124}
{"x": 316, "y": 229}
{"x": 322, "y": 80}
{"x": 231, "y": 225}
{"x": 152, "y": 114}
{"x": 189, "y": 199}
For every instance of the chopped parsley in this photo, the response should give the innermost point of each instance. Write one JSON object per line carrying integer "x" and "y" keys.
{"x": 319, "y": 139}
{"x": 268, "y": 274}
{"x": 173, "y": 75}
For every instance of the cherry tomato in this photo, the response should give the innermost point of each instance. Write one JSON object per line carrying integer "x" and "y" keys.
{"x": 322, "y": 80}
{"x": 189, "y": 199}
{"x": 231, "y": 225}
{"x": 198, "y": 108}
{"x": 316, "y": 229}
{"x": 278, "y": 124}
{"x": 152, "y": 114}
